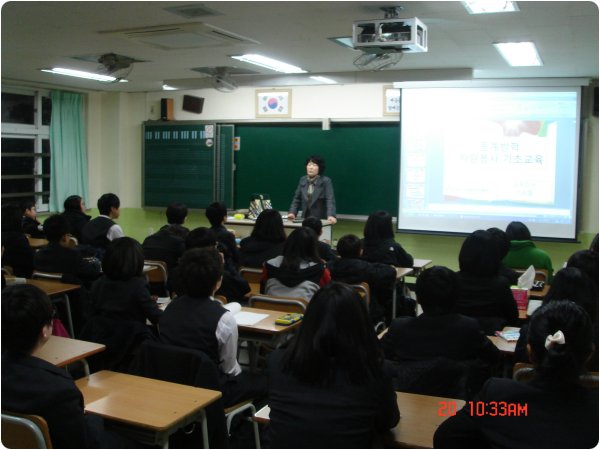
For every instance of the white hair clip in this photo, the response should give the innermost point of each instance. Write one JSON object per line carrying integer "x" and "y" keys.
{"x": 557, "y": 338}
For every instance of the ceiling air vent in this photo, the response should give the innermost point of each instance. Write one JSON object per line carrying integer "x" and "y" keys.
{"x": 193, "y": 11}
{"x": 182, "y": 36}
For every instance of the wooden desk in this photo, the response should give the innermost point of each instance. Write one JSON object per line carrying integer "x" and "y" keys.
{"x": 401, "y": 272}
{"x": 418, "y": 419}
{"x": 60, "y": 290}
{"x": 62, "y": 351}
{"x": 37, "y": 242}
{"x": 419, "y": 265}
{"x": 243, "y": 228}
{"x": 505, "y": 347}
{"x": 158, "y": 408}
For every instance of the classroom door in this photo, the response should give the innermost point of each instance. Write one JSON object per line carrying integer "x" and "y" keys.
{"x": 188, "y": 162}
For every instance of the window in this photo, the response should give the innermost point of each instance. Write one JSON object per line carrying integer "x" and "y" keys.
{"x": 26, "y": 147}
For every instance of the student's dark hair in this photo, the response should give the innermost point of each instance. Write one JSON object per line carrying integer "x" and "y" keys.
{"x": 571, "y": 283}
{"x": 313, "y": 223}
{"x": 199, "y": 271}
{"x": 518, "y": 231}
{"x": 25, "y": 310}
{"x": 215, "y": 213}
{"x": 106, "y": 202}
{"x": 594, "y": 245}
{"x": 479, "y": 254}
{"x": 300, "y": 246}
{"x": 560, "y": 364}
{"x": 123, "y": 260}
{"x": 176, "y": 213}
{"x": 336, "y": 335}
{"x": 269, "y": 227}
{"x": 587, "y": 261}
{"x": 72, "y": 203}
{"x": 319, "y": 161}
{"x": 201, "y": 237}
{"x": 349, "y": 246}
{"x": 437, "y": 290}
{"x": 55, "y": 227}
{"x": 502, "y": 241}
{"x": 27, "y": 204}
{"x": 379, "y": 227}
{"x": 12, "y": 218}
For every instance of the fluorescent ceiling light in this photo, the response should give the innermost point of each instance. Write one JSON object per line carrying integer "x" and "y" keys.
{"x": 82, "y": 74}
{"x": 269, "y": 63}
{"x": 489, "y": 6}
{"x": 519, "y": 53}
{"x": 323, "y": 80}
{"x": 166, "y": 87}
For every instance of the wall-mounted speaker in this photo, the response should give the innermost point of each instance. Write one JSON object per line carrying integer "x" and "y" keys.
{"x": 193, "y": 104}
{"x": 166, "y": 109}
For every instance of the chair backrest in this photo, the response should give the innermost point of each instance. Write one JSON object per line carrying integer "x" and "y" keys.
{"x": 252, "y": 275}
{"x": 38, "y": 274}
{"x": 190, "y": 367}
{"x": 285, "y": 304}
{"x": 525, "y": 372}
{"x": 24, "y": 431}
{"x": 364, "y": 291}
{"x": 159, "y": 273}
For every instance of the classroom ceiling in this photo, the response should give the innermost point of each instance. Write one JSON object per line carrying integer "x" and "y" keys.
{"x": 41, "y": 34}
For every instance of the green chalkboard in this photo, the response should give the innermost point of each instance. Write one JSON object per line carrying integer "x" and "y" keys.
{"x": 187, "y": 162}
{"x": 362, "y": 160}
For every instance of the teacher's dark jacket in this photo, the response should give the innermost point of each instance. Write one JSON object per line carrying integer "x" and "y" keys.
{"x": 322, "y": 204}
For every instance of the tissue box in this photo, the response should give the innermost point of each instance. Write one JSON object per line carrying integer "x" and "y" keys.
{"x": 521, "y": 297}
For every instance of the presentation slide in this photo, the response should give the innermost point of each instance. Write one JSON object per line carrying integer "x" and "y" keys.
{"x": 475, "y": 158}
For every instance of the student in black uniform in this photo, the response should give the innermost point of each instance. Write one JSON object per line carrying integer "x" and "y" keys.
{"x": 328, "y": 388}
{"x": 265, "y": 241}
{"x": 75, "y": 214}
{"x": 325, "y": 251}
{"x": 216, "y": 213}
{"x": 196, "y": 320}
{"x": 101, "y": 230}
{"x": 31, "y": 225}
{"x": 168, "y": 244}
{"x": 560, "y": 412}
{"x": 17, "y": 253}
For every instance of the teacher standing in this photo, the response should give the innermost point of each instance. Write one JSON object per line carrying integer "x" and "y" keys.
{"x": 314, "y": 194}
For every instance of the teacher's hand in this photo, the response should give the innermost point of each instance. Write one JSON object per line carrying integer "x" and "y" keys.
{"x": 332, "y": 220}
{"x": 291, "y": 216}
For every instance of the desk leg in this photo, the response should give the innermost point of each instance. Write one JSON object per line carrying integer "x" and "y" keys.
{"x": 204, "y": 429}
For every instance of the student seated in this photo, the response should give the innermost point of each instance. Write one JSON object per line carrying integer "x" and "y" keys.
{"x": 560, "y": 412}
{"x": 379, "y": 243}
{"x": 328, "y": 388}
{"x": 168, "y": 244}
{"x": 523, "y": 252}
{"x": 484, "y": 294}
{"x": 31, "y": 385}
{"x": 101, "y": 230}
{"x": 299, "y": 272}
{"x": 350, "y": 268}
{"x": 216, "y": 213}
{"x": 503, "y": 244}
{"x": 59, "y": 256}
{"x": 587, "y": 262}
{"x": 196, "y": 320}
{"x": 17, "y": 253}
{"x": 75, "y": 215}
{"x": 123, "y": 292}
{"x": 233, "y": 287}
{"x": 325, "y": 251}
{"x": 31, "y": 225}
{"x": 265, "y": 241}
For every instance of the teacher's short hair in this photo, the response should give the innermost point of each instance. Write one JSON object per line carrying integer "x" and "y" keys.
{"x": 319, "y": 161}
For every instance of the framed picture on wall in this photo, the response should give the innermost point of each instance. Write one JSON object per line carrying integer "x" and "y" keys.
{"x": 273, "y": 103}
{"x": 391, "y": 101}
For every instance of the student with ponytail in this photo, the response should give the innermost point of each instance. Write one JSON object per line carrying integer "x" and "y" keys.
{"x": 553, "y": 410}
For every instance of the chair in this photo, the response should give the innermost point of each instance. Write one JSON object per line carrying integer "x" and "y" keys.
{"x": 24, "y": 431}
{"x": 194, "y": 368}
{"x": 58, "y": 277}
{"x": 364, "y": 291}
{"x": 252, "y": 275}
{"x": 525, "y": 372}
{"x": 157, "y": 274}
{"x": 285, "y": 304}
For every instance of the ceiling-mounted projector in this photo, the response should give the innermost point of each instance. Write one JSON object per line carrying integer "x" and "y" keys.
{"x": 390, "y": 35}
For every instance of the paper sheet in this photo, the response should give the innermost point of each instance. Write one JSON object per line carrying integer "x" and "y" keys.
{"x": 248, "y": 318}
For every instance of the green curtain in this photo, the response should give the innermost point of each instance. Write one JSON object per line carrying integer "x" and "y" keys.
{"x": 68, "y": 152}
